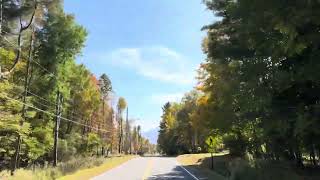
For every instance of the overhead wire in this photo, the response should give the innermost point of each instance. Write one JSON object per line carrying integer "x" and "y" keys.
{"x": 38, "y": 96}
{"x": 51, "y": 114}
{"x": 33, "y": 61}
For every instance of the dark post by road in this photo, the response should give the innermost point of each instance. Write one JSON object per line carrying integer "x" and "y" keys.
{"x": 211, "y": 143}
{"x": 211, "y": 160}
{"x": 56, "y": 129}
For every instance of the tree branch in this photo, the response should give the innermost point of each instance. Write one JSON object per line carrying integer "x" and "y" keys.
{"x": 22, "y": 28}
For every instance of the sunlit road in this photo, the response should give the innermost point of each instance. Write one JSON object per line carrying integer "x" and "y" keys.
{"x": 150, "y": 168}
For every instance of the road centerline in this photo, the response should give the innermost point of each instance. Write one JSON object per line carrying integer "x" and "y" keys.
{"x": 147, "y": 172}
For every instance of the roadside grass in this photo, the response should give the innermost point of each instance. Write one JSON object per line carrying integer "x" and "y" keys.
{"x": 199, "y": 167}
{"x": 232, "y": 168}
{"x": 76, "y": 168}
{"x": 85, "y": 174}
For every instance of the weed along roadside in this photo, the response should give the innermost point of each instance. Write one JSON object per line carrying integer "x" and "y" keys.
{"x": 77, "y": 168}
{"x": 226, "y": 167}
{"x": 88, "y": 173}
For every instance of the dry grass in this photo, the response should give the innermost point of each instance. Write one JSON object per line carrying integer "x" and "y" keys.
{"x": 196, "y": 159}
{"x": 77, "y": 168}
{"x": 227, "y": 167}
{"x": 200, "y": 165}
{"x": 91, "y": 172}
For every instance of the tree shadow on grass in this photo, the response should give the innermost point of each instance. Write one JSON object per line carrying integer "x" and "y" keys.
{"x": 267, "y": 169}
{"x": 220, "y": 164}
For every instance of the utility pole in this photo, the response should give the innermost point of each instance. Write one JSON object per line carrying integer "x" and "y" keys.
{"x": 120, "y": 131}
{"x": 24, "y": 110}
{"x": 56, "y": 129}
{"x": 111, "y": 129}
{"x": 103, "y": 122}
{"x": 128, "y": 130}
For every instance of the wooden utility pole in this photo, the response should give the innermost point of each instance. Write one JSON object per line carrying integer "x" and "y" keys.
{"x": 128, "y": 131}
{"x": 56, "y": 129}
{"x": 111, "y": 129}
{"x": 15, "y": 162}
{"x": 103, "y": 122}
{"x": 120, "y": 131}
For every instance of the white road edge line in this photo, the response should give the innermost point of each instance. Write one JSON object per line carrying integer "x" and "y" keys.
{"x": 188, "y": 172}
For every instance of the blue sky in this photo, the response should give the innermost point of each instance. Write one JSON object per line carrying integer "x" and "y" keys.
{"x": 150, "y": 49}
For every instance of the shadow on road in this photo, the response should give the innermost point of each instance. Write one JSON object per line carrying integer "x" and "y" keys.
{"x": 159, "y": 156}
{"x": 176, "y": 174}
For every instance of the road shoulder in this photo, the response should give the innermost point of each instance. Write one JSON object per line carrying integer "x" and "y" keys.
{"x": 191, "y": 163}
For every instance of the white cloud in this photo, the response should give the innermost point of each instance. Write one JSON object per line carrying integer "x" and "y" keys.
{"x": 157, "y": 63}
{"x": 164, "y": 98}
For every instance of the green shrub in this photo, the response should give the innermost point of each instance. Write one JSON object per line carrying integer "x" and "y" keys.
{"x": 262, "y": 170}
{"x": 221, "y": 167}
{"x": 241, "y": 170}
{"x": 235, "y": 144}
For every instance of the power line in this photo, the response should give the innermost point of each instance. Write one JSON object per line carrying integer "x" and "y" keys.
{"x": 54, "y": 104}
{"x": 35, "y": 62}
{"x": 42, "y": 98}
{"x": 44, "y": 69}
{"x": 68, "y": 111}
{"x": 51, "y": 114}
{"x": 78, "y": 116}
{"x": 48, "y": 106}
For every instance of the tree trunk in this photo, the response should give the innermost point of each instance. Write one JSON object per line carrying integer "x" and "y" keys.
{"x": 313, "y": 155}
{"x": 1, "y": 16}
{"x": 16, "y": 155}
{"x": 102, "y": 150}
{"x": 299, "y": 159}
{"x": 22, "y": 28}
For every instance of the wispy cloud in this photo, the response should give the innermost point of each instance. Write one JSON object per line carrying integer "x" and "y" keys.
{"x": 157, "y": 63}
{"x": 164, "y": 98}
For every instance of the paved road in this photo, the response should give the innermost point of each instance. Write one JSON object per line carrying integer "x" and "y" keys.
{"x": 148, "y": 168}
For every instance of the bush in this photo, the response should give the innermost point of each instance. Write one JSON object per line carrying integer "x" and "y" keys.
{"x": 262, "y": 170}
{"x": 235, "y": 144}
{"x": 79, "y": 163}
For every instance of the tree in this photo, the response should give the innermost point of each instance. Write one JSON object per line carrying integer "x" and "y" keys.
{"x": 257, "y": 76}
{"x": 122, "y": 104}
{"x": 127, "y": 139}
{"x": 134, "y": 139}
{"x": 105, "y": 85}
{"x": 40, "y": 67}
{"x": 105, "y": 89}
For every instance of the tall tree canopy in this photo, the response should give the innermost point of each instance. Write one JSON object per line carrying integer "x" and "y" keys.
{"x": 259, "y": 81}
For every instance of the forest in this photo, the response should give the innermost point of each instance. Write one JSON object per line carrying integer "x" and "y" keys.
{"x": 53, "y": 109}
{"x": 256, "y": 95}
{"x": 258, "y": 87}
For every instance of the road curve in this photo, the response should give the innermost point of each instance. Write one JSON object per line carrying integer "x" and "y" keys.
{"x": 148, "y": 168}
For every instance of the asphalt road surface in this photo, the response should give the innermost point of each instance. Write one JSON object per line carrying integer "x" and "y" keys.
{"x": 148, "y": 168}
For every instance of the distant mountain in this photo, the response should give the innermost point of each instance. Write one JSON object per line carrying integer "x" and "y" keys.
{"x": 152, "y": 135}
